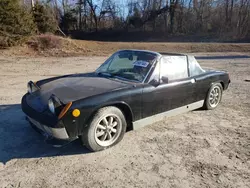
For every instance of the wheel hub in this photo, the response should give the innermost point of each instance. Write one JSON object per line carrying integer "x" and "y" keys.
{"x": 108, "y": 130}
{"x": 214, "y": 96}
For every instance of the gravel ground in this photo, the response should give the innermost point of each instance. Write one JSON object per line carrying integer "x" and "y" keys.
{"x": 196, "y": 149}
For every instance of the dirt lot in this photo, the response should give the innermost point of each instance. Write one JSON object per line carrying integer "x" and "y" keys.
{"x": 196, "y": 149}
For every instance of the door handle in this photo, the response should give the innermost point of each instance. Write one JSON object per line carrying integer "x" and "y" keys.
{"x": 193, "y": 80}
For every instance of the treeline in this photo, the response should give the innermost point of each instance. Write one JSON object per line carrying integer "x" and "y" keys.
{"x": 18, "y": 21}
{"x": 221, "y": 18}
{"x": 229, "y": 18}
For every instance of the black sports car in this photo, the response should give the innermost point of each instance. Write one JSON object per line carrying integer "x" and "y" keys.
{"x": 131, "y": 89}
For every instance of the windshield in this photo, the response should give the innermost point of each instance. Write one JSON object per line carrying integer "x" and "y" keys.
{"x": 128, "y": 64}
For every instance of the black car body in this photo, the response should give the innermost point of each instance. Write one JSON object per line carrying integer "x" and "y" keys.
{"x": 172, "y": 84}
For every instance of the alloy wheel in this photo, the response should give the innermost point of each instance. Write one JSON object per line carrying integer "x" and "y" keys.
{"x": 108, "y": 130}
{"x": 215, "y": 96}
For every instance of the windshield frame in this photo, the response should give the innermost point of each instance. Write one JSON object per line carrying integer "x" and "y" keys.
{"x": 109, "y": 61}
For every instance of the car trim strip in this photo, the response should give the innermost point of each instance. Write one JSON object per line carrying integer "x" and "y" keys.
{"x": 159, "y": 117}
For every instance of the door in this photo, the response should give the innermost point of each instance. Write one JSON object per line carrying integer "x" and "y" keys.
{"x": 175, "y": 88}
{"x": 202, "y": 79}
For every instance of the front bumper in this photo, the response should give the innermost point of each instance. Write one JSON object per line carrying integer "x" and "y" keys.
{"x": 59, "y": 133}
{"x": 50, "y": 139}
{"x": 46, "y": 123}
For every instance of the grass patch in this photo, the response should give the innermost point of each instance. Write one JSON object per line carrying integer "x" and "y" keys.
{"x": 45, "y": 42}
{"x": 51, "y": 45}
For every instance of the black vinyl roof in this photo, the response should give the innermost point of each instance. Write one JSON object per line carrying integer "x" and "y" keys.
{"x": 157, "y": 53}
{"x": 173, "y": 54}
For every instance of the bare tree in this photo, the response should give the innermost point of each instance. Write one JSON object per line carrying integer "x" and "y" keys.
{"x": 32, "y": 3}
{"x": 173, "y": 6}
{"x": 173, "y": 16}
{"x": 93, "y": 9}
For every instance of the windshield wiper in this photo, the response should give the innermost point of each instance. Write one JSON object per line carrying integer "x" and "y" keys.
{"x": 109, "y": 74}
{"x": 104, "y": 74}
{"x": 115, "y": 75}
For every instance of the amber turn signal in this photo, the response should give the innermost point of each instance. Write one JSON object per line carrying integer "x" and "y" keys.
{"x": 76, "y": 113}
{"x": 64, "y": 110}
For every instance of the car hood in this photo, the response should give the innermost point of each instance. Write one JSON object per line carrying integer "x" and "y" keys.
{"x": 71, "y": 88}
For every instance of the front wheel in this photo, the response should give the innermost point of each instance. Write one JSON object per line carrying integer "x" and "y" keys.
{"x": 214, "y": 96}
{"x": 106, "y": 129}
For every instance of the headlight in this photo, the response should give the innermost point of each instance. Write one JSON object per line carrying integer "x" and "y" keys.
{"x": 55, "y": 105}
{"x": 51, "y": 105}
{"x": 29, "y": 87}
{"x": 32, "y": 87}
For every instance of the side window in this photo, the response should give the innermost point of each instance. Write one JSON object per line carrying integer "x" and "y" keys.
{"x": 156, "y": 74}
{"x": 174, "y": 67}
{"x": 194, "y": 67}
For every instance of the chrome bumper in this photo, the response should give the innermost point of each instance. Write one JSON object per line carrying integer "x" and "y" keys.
{"x": 59, "y": 133}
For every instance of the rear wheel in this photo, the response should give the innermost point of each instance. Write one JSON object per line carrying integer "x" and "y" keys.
{"x": 106, "y": 129}
{"x": 214, "y": 96}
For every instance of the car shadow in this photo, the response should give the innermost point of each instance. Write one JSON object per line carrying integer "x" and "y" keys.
{"x": 19, "y": 140}
{"x": 199, "y": 109}
{"x": 223, "y": 57}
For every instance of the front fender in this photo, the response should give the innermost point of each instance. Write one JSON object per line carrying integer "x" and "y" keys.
{"x": 123, "y": 106}
{"x": 113, "y": 103}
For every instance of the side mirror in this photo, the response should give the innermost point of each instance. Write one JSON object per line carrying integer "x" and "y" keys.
{"x": 164, "y": 79}
{"x": 155, "y": 81}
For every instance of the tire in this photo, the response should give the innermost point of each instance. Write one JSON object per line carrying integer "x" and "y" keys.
{"x": 105, "y": 130}
{"x": 213, "y": 97}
